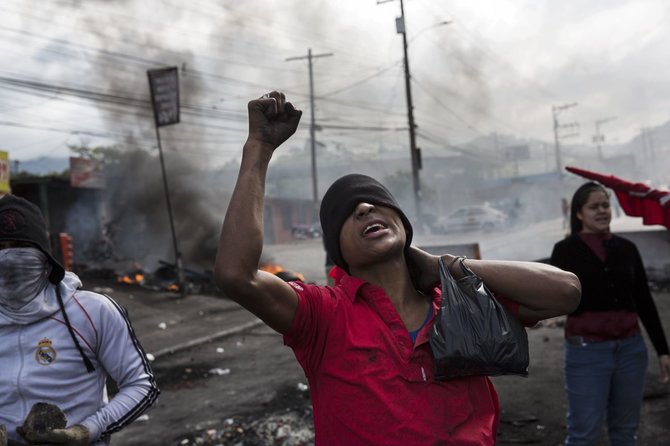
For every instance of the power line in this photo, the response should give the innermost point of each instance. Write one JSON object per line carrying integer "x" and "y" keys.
{"x": 463, "y": 151}
{"x": 449, "y": 110}
{"x": 115, "y": 98}
{"x": 142, "y": 105}
{"x": 363, "y": 80}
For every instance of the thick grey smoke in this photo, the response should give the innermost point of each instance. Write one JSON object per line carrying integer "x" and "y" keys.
{"x": 454, "y": 86}
{"x": 136, "y": 211}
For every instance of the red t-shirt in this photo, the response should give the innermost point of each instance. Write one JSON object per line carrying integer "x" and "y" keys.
{"x": 370, "y": 385}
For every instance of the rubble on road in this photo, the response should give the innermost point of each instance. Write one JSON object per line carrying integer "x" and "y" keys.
{"x": 292, "y": 427}
{"x": 288, "y": 422}
{"x": 554, "y": 322}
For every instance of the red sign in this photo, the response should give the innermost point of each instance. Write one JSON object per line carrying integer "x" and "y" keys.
{"x": 86, "y": 173}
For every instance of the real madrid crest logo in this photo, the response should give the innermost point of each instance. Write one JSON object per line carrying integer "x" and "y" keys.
{"x": 45, "y": 353}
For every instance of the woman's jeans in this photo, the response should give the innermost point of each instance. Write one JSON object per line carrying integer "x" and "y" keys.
{"x": 604, "y": 380}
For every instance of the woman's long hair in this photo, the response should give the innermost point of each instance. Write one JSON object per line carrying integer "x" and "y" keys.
{"x": 579, "y": 199}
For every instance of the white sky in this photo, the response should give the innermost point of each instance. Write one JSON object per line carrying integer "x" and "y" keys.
{"x": 499, "y": 66}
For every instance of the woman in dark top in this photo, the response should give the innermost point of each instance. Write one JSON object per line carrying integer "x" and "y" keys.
{"x": 606, "y": 356}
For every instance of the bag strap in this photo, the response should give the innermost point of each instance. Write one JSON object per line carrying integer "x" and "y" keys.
{"x": 446, "y": 270}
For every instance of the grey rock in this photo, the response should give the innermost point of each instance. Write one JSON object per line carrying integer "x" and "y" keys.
{"x": 44, "y": 417}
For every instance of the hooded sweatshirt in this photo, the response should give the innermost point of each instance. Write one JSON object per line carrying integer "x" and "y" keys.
{"x": 39, "y": 361}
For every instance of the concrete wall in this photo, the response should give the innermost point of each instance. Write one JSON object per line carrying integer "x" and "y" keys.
{"x": 654, "y": 247}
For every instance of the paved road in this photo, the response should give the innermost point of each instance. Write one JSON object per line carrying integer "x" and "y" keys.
{"x": 226, "y": 366}
{"x": 250, "y": 373}
{"x": 213, "y": 361}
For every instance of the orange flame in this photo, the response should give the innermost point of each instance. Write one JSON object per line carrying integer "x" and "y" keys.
{"x": 271, "y": 268}
{"x": 131, "y": 280}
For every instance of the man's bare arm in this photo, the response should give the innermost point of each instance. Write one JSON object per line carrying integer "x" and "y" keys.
{"x": 541, "y": 290}
{"x": 272, "y": 121}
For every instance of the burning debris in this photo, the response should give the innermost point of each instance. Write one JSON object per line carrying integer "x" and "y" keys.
{"x": 166, "y": 278}
{"x": 268, "y": 264}
{"x": 134, "y": 277}
{"x": 279, "y": 271}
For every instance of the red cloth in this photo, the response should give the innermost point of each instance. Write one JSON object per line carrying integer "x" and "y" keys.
{"x": 636, "y": 199}
{"x": 370, "y": 385}
{"x": 654, "y": 211}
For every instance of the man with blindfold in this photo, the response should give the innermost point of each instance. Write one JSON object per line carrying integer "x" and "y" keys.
{"x": 363, "y": 343}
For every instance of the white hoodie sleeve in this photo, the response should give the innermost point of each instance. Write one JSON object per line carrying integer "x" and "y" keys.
{"x": 123, "y": 358}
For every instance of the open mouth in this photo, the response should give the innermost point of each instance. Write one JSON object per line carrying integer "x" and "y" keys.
{"x": 372, "y": 228}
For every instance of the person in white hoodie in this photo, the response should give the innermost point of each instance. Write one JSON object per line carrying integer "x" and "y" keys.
{"x": 59, "y": 343}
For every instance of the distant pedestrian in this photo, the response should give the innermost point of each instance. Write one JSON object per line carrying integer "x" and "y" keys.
{"x": 565, "y": 209}
{"x": 59, "y": 343}
{"x": 606, "y": 356}
{"x": 364, "y": 342}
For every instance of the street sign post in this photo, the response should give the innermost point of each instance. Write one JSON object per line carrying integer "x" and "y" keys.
{"x": 164, "y": 86}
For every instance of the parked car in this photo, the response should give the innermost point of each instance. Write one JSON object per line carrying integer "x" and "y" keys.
{"x": 303, "y": 231}
{"x": 471, "y": 217}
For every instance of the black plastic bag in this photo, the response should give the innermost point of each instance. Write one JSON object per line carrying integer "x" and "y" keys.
{"x": 473, "y": 333}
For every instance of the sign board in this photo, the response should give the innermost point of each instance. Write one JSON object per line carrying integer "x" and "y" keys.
{"x": 86, "y": 173}
{"x": 4, "y": 172}
{"x": 400, "y": 25}
{"x": 516, "y": 153}
{"x": 164, "y": 86}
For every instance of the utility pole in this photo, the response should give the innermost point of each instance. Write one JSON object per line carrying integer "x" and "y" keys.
{"x": 415, "y": 152}
{"x": 599, "y": 138}
{"x": 556, "y": 110}
{"x": 499, "y": 154}
{"x": 647, "y": 144}
{"x": 312, "y": 130}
